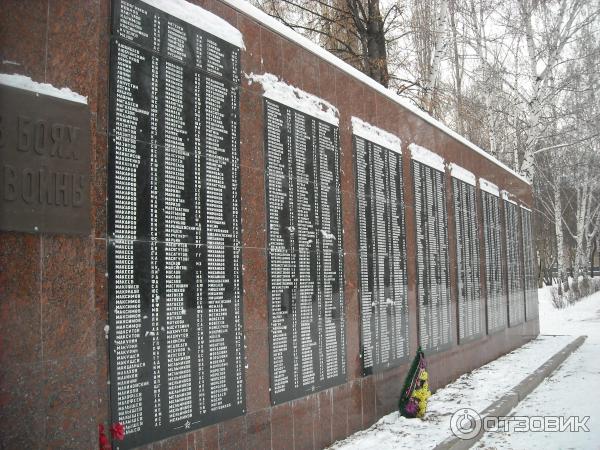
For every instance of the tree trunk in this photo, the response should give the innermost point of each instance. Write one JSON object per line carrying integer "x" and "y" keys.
{"x": 458, "y": 70}
{"x": 592, "y": 256}
{"x": 560, "y": 256}
{"x": 440, "y": 49}
{"x": 376, "y": 46}
{"x": 541, "y": 272}
{"x": 582, "y": 210}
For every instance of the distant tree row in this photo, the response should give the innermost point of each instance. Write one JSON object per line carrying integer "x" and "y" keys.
{"x": 519, "y": 78}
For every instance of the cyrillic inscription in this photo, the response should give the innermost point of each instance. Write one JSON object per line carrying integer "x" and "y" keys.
{"x": 176, "y": 333}
{"x": 382, "y": 247}
{"x": 306, "y": 283}
{"x": 470, "y": 311}
{"x": 529, "y": 265}
{"x": 44, "y": 163}
{"x": 494, "y": 268}
{"x": 514, "y": 263}
{"x": 433, "y": 282}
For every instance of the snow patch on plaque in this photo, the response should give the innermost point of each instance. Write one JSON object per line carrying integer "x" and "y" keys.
{"x": 376, "y": 135}
{"x": 201, "y": 18}
{"x": 489, "y": 187}
{"x": 427, "y": 157}
{"x": 463, "y": 174}
{"x": 508, "y": 197}
{"x": 296, "y": 98}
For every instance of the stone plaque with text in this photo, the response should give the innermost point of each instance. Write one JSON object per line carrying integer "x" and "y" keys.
{"x": 496, "y": 305}
{"x": 306, "y": 283}
{"x": 44, "y": 163}
{"x": 174, "y": 256}
{"x": 514, "y": 264}
{"x": 470, "y": 310}
{"x": 529, "y": 265}
{"x": 433, "y": 281}
{"x": 382, "y": 253}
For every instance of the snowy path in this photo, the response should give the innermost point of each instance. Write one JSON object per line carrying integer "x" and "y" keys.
{"x": 483, "y": 386}
{"x": 573, "y": 390}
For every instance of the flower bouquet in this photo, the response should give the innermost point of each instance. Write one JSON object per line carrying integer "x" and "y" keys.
{"x": 415, "y": 393}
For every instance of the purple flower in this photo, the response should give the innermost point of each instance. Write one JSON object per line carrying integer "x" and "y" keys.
{"x": 412, "y": 406}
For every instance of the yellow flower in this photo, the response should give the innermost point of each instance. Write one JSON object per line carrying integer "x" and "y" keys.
{"x": 422, "y": 395}
{"x": 424, "y": 375}
{"x": 422, "y": 408}
{"x": 418, "y": 394}
{"x": 426, "y": 390}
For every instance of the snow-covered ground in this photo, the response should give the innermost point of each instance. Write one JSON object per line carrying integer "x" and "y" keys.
{"x": 573, "y": 390}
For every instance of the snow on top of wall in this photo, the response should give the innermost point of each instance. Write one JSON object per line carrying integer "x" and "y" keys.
{"x": 489, "y": 187}
{"x": 293, "y": 97}
{"x": 376, "y": 135}
{"x": 426, "y": 157}
{"x": 462, "y": 174}
{"x": 201, "y": 18}
{"x": 246, "y": 8}
{"x": 525, "y": 208}
{"x": 23, "y": 82}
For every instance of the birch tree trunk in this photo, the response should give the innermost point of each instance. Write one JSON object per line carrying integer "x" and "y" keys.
{"x": 534, "y": 105}
{"x": 583, "y": 196}
{"x": 590, "y": 249}
{"x": 560, "y": 256}
{"x": 441, "y": 42}
{"x": 458, "y": 64}
{"x": 539, "y": 69}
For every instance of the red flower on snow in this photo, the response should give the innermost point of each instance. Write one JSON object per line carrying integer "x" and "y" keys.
{"x": 117, "y": 431}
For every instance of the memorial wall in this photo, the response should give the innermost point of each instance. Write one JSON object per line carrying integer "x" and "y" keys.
{"x": 271, "y": 237}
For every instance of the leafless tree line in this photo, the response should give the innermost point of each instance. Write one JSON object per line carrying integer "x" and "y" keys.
{"x": 519, "y": 78}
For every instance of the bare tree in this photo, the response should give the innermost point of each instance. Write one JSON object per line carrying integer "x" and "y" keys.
{"x": 516, "y": 77}
{"x": 354, "y": 30}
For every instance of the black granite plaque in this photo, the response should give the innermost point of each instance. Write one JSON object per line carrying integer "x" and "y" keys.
{"x": 529, "y": 266}
{"x": 470, "y": 311}
{"x": 382, "y": 253}
{"x": 306, "y": 284}
{"x": 496, "y": 305}
{"x": 174, "y": 259}
{"x": 514, "y": 264}
{"x": 433, "y": 282}
{"x": 44, "y": 163}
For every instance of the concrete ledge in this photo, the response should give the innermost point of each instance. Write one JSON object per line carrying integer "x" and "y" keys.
{"x": 508, "y": 401}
